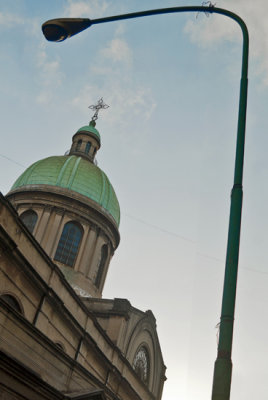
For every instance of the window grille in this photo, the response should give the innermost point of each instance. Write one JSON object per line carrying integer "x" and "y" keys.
{"x": 69, "y": 244}
{"x": 141, "y": 364}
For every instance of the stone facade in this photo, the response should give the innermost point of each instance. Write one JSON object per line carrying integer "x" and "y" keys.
{"x": 58, "y": 338}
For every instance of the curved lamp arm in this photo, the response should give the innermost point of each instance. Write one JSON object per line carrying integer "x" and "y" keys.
{"x": 62, "y": 28}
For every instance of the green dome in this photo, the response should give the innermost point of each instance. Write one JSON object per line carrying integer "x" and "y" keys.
{"x": 75, "y": 174}
{"x": 91, "y": 129}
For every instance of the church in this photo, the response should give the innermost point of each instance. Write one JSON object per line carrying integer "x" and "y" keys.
{"x": 59, "y": 339}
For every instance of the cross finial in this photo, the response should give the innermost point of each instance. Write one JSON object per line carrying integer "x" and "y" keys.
{"x": 97, "y": 107}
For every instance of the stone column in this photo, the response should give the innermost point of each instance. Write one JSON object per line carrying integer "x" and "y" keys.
{"x": 42, "y": 224}
{"x": 52, "y": 232}
{"x": 79, "y": 259}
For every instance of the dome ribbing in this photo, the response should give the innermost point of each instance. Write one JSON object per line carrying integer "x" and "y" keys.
{"x": 74, "y": 174}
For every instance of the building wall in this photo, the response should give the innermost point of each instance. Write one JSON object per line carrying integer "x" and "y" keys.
{"x": 56, "y": 335}
{"x": 130, "y": 329}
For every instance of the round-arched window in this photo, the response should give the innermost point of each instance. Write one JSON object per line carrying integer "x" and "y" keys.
{"x": 69, "y": 243}
{"x": 60, "y": 346}
{"x": 29, "y": 219}
{"x": 12, "y": 301}
{"x": 141, "y": 364}
{"x": 78, "y": 145}
{"x": 88, "y": 145}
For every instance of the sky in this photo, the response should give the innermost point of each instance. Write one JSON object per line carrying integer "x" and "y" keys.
{"x": 168, "y": 142}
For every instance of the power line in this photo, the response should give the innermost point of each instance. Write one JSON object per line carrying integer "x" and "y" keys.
{"x": 156, "y": 227}
{"x": 159, "y": 228}
{"x": 10, "y": 159}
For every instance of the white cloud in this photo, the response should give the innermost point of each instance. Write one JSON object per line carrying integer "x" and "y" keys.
{"x": 50, "y": 75}
{"x": 44, "y": 97}
{"x": 207, "y": 32}
{"x": 48, "y": 70}
{"x": 114, "y": 81}
{"x": 128, "y": 101}
{"x": 210, "y": 31}
{"x": 117, "y": 50}
{"x": 86, "y": 8}
{"x": 30, "y": 26}
{"x": 9, "y": 20}
{"x": 120, "y": 29}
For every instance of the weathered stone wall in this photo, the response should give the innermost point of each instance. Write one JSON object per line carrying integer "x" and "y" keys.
{"x": 54, "y": 316}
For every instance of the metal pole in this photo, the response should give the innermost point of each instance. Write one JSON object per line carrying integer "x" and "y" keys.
{"x": 223, "y": 364}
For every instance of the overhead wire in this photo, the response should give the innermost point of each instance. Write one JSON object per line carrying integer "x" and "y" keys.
{"x": 160, "y": 229}
{"x": 10, "y": 159}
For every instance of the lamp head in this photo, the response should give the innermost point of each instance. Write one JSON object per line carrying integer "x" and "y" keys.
{"x": 57, "y": 30}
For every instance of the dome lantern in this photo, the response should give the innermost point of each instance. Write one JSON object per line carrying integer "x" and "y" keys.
{"x": 86, "y": 142}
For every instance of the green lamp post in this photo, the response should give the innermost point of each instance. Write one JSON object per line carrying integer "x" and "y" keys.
{"x": 63, "y": 28}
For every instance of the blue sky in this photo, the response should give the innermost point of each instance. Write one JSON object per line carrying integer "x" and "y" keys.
{"x": 168, "y": 143}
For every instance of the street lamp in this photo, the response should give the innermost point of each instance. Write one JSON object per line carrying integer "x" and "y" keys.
{"x": 63, "y": 28}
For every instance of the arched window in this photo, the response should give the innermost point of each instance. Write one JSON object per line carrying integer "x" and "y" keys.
{"x": 141, "y": 364}
{"x": 69, "y": 243}
{"x": 78, "y": 145}
{"x": 101, "y": 264}
{"x": 29, "y": 219}
{"x": 60, "y": 346}
{"x": 88, "y": 145}
{"x": 11, "y": 300}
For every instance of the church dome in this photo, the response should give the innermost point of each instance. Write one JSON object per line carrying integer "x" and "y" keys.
{"x": 91, "y": 129}
{"x": 75, "y": 174}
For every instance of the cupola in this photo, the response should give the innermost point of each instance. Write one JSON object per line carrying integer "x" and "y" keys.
{"x": 86, "y": 142}
{"x": 68, "y": 203}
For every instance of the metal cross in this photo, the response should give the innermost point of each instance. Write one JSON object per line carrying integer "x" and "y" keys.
{"x": 97, "y": 107}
